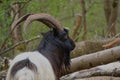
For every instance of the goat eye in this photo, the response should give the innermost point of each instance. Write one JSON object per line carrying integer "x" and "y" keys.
{"x": 63, "y": 38}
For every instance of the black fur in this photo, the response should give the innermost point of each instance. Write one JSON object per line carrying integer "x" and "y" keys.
{"x": 21, "y": 64}
{"x": 56, "y": 46}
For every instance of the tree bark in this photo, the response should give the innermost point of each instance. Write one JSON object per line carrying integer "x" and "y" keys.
{"x": 84, "y": 37}
{"x": 95, "y": 59}
{"x": 17, "y": 33}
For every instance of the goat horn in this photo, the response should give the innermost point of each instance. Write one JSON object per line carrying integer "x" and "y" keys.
{"x": 47, "y": 19}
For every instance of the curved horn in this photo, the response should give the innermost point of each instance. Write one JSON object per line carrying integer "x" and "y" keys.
{"x": 47, "y": 19}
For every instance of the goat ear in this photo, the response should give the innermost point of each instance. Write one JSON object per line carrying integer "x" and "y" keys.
{"x": 55, "y": 32}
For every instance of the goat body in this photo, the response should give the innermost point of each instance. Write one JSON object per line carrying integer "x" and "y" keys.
{"x": 43, "y": 66}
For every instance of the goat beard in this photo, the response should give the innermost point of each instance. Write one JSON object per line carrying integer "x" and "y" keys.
{"x": 67, "y": 60}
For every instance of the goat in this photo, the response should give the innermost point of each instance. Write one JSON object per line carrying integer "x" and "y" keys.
{"x": 50, "y": 59}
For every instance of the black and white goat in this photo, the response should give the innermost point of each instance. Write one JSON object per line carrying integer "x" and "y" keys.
{"x": 50, "y": 59}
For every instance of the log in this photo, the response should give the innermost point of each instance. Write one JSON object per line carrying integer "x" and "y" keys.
{"x": 111, "y": 69}
{"x": 87, "y": 47}
{"x": 101, "y": 78}
{"x": 95, "y": 59}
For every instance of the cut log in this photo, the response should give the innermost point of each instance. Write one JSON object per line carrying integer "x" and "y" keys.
{"x": 112, "y": 69}
{"x": 87, "y": 47}
{"x": 101, "y": 78}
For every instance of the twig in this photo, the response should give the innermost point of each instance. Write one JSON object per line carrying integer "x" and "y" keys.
{"x": 116, "y": 35}
{"x": 83, "y": 3}
{"x": 3, "y": 44}
{"x": 76, "y": 27}
{"x": 21, "y": 42}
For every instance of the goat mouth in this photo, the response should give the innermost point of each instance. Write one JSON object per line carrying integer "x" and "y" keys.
{"x": 73, "y": 47}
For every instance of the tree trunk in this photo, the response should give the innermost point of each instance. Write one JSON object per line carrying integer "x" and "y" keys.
{"x": 17, "y": 33}
{"x": 112, "y": 19}
{"x": 95, "y": 59}
{"x": 84, "y": 37}
{"x": 107, "y": 9}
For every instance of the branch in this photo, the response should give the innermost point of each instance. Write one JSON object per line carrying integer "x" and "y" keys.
{"x": 76, "y": 27}
{"x": 112, "y": 43}
{"x": 25, "y": 41}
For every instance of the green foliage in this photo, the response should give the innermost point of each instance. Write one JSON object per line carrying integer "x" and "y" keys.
{"x": 5, "y": 19}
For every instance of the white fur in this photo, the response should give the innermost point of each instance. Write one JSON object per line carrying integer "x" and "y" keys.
{"x": 45, "y": 71}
